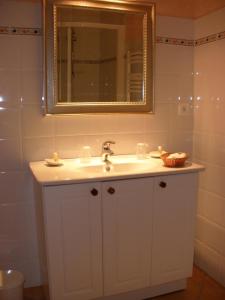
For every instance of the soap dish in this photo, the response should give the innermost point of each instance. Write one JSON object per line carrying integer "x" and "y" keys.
{"x": 53, "y": 163}
{"x": 173, "y": 162}
{"x": 157, "y": 154}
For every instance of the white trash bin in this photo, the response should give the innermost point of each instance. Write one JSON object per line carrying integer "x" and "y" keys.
{"x": 11, "y": 285}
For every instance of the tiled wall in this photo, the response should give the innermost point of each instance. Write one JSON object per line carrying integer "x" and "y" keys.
{"x": 25, "y": 135}
{"x": 209, "y": 145}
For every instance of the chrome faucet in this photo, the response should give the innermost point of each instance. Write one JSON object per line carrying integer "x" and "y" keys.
{"x": 107, "y": 151}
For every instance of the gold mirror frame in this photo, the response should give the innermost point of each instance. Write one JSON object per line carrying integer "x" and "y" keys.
{"x": 51, "y": 105}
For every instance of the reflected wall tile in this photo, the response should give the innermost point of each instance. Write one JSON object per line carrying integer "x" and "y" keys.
{"x": 11, "y": 156}
{"x": 34, "y": 124}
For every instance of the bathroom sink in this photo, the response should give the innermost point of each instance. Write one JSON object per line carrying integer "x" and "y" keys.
{"x": 119, "y": 165}
{"x": 123, "y": 166}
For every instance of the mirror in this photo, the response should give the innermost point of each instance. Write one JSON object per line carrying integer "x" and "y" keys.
{"x": 98, "y": 56}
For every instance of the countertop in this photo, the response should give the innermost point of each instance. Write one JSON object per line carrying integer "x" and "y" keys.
{"x": 71, "y": 171}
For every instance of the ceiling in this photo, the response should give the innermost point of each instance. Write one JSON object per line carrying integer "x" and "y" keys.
{"x": 192, "y": 9}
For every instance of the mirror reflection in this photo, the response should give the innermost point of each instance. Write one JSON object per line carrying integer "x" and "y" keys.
{"x": 100, "y": 56}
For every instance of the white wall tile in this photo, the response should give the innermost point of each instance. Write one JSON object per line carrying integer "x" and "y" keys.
{"x": 209, "y": 145}
{"x": 31, "y": 86}
{"x": 70, "y": 146}
{"x": 21, "y": 190}
{"x": 208, "y": 260}
{"x": 10, "y": 52}
{"x": 212, "y": 207}
{"x": 9, "y": 123}
{"x": 20, "y": 13}
{"x": 10, "y": 97}
{"x": 28, "y": 136}
{"x": 31, "y": 52}
{"x": 174, "y": 27}
{"x": 35, "y": 149}
{"x": 34, "y": 124}
{"x": 173, "y": 87}
{"x": 159, "y": 121}
{"x": 11, "y": 155}
{"x": 210, "y": 24}
{"x": 174, "y": 60}
{"x": 211, "y": 234}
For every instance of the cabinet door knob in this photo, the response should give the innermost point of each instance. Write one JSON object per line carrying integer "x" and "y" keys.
{"x": 111, "y": 190}
{"x": 94, "y": 192}
{"x": 162, "y": 184}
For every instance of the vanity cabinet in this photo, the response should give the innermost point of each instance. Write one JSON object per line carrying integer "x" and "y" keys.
{"x": 174, "y": 211}
{"x": 73, "y": 236}
{"x": 127, "y": 234}
{"x": 114, "y": 237}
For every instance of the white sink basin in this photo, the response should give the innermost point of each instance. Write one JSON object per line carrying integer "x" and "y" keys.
{"x": 119, "y": 165}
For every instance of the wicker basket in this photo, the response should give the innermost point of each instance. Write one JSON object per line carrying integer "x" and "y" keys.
{"x": 173, "y": 162}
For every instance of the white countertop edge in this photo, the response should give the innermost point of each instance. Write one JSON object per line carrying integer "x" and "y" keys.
{"x": 157, "y": 171}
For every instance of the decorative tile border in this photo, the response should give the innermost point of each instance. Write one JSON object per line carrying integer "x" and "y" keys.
{"x": 174, "y": 41}
{"x": 210, "y": 38}
{"x": 20, "y": 30}
{"x": 159, "y": 39}
{"x": 184, "y": 42}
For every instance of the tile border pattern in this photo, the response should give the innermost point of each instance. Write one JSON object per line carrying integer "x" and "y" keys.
{"x": 20, "y": 30}
{"x": 210, "y": 38}
{"x": 159, "y": 39}
{"x": 174, "y": 41}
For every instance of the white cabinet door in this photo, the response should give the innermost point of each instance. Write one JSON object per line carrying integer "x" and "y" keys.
{"x": 72, "y": 217}
{"x": 127, "y": 228}
{"x": 173, "y": 227}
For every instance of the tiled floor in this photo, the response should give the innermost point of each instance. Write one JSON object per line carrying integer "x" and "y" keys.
{"x": 200, "y": 287}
